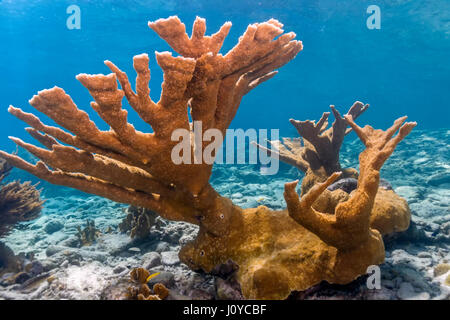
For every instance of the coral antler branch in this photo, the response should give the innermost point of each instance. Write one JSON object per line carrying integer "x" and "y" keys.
{"x": 321, "y": 146}
{"x": 140, "y": 101}
{"x": 126, "y": 165}
{"x": 349, "y": 226}
{"x": 173, "y": 31}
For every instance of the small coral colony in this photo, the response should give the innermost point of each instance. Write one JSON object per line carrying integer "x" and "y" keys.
{"x": 329, "y": 232}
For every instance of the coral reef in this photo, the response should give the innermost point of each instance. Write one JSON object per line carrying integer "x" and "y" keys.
{"x": 89, "y": 234}
{"x": 18, "y": 201}
{"x": 138, "y": 222}
{"x": 277, "y": 251}
{"x": 101, "y": 271}
{"x": 140, "y": 289}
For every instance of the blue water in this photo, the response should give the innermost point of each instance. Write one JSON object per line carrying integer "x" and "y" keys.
{"x": 403, "y": 68}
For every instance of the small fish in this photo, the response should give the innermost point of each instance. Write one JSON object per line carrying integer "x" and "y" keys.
{"x": 152, "y": 276}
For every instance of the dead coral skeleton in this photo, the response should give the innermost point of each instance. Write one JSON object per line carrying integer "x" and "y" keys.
{"x": 277, "y": 251}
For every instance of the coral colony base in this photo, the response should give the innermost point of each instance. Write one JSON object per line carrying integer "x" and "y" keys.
{"x": 326, "y": 234}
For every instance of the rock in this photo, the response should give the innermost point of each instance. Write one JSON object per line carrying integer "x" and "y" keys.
{"x": 227, "y": 290}
{"x": 7, "y": 258}
{"x": 166, "y": 278}
{"x": 424, "y": 254}
{"x": 119, "y": 269}
{"x": 53, "y": 226}
{"x": 94, "y": 255}
{"x": 406, "y": 292}
{"x": 186, "y": 238}
{"x": 199, "y": 294}
{"x": 20, "y": 277}
{"x": 162, "y": 246}
{"x": 51, "y": 250}
{"x": 51, "y": 279}
{"x": 170, "y": 258}
{"x": 150, "y": 260}
{"x": 71, "y": 242}
{"x": 385, "y": 184}
{"x": 49, "y": 265}
{"x": 134, "y": 250}
{"x": 439, "y": 178}
{"x": 388, "y": 284}
{"x": 34, "y": 282}
{"x": 224, "y": 270}
{"x": 441, "y": 269}
{"x": 75, "y": 263}
{"x": 414, "y": 277}
{"x": 6, "y": 276}
{"x": 414, "y": 234}
{"x": 346, "y": 184}
{"x": 115, "y": 243}
{"x": 34, "y": 268}
{"x": 116, "y": 290}
{"x": 177, "y": 296}
{"x": 410, "y": 193}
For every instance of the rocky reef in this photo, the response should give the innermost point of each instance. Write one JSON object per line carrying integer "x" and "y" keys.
{"x": 327, "y": 234}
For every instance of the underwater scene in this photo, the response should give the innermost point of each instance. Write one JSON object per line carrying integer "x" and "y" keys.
{"x": 224, "y": 150}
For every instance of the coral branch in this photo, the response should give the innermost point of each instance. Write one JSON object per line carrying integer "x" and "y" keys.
{"x": 321, "y": 146}
{"x": 173, "y": 31}
{"x": 349, "y": 227}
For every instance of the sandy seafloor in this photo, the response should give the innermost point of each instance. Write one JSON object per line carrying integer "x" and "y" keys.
{"x": 419, "y": 170}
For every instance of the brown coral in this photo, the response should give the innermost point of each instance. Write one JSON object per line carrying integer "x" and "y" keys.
{"x": 18, "y": 201}
{"x": 277, "y": 251}
{"x": 317, "y": 152}
{"x": 140, "y": 290}
{"x": 88, "y": 234}
{"x": 138, "y": 222}
{"x": 317, "y": 155}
